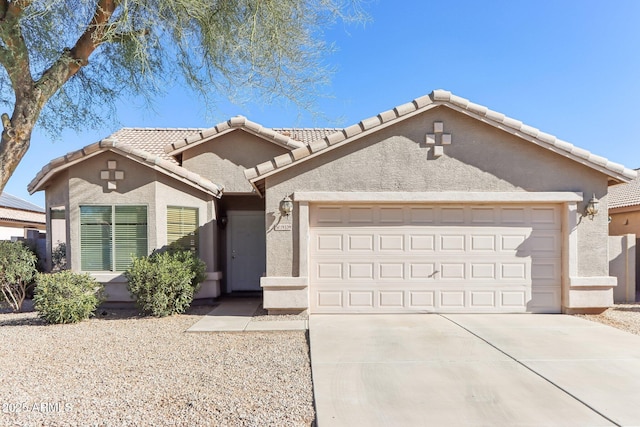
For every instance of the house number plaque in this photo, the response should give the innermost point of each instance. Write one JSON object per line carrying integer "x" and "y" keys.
{"x": 283, "y": 227}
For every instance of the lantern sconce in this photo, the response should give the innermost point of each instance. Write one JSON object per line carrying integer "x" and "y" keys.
{"x": 286, "y": 206}
{"x": 591, "y": 209}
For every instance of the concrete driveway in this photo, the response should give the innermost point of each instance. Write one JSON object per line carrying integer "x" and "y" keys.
{"x": 473, "y": 370}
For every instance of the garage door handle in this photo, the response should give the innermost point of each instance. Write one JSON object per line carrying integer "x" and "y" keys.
{"x": 432, "y": 275}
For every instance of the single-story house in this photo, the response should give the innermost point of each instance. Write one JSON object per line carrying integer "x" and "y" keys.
{"x": 437, "y": 205}
{"x": 20, "y": 219}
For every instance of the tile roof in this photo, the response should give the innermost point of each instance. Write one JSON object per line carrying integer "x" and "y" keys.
{"x": 153, "y": 140}
{"x": 306, "y": 135}
{"x": 9, "y": 201}
{"x": 142, "y": 156}
{"x": 419, "y": 105}
{"x": 157, "y": 146}
{"x": 17, "y": 215}
{"x": 623, "y": 195}
{"x": 290, "y": 138}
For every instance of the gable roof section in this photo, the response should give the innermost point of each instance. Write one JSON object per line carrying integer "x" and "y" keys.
{"x": 615, "y": 171}
{"x": 624, "y": 195}
{"x": 109, "y": 144}
{"x": 287, "y": 138}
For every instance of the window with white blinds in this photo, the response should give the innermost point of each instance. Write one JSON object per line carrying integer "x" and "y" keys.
{"x": 182, "y": 227}
{"x": 110, "y": 236}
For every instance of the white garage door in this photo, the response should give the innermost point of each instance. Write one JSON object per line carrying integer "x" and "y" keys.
{"x": 434, "y": 258}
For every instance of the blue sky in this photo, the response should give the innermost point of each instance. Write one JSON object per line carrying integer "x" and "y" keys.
{"x": 570, "y": 68}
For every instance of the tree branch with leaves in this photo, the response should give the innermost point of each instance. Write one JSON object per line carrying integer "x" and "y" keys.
{"x": 66, "y": 62}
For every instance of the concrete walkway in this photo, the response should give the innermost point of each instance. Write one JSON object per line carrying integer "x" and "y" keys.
{"x": 473, "y": 370}
{"x": 236, "y": 314}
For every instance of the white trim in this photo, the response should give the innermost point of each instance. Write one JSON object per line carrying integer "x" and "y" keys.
{"x": 596, "y": 281}
{"x": 303, "y": 238}
{"x": 107, "y": 277}
{"x": 284, "y": 282}
{"x": 439, "y": 197}
{"x": 569, "y": 249}
{"x": 214, "y": 275}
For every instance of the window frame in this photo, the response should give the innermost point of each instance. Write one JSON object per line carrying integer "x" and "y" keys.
{"x": 115, "y": 233}
{"x": 195, "y": 245}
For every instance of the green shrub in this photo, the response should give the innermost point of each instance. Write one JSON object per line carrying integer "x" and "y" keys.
{"x": 164, "y": 283}
{"x": 67, "y": 297}
{"x": 59, "y": 257}
{"x": 17, "y": 271}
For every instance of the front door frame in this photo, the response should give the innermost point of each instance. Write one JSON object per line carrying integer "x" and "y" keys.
{"x": 232, "y": 247}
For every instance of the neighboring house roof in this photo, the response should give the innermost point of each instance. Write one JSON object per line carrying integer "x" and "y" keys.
{"x": 108, "y": 144}
{"x": 287, "y": 138}
{"x": 16, "y": 215}
{"x": 14, "y": 209}
{"x": 13, "y": 202}
{"x": 624, "y": 195}
{"x": 615, "y": 171}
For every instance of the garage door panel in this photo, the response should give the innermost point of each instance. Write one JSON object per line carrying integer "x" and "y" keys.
{"x": 329, "y": 242}
{"x": 358, "y": 270}
{"x": 360, "y": 215}
{"x": 482, "y": 243}
{"x": 391, "y": 242}
{"x": 483, "y": 299}
{"x": 452, "y": 215}
{"x": 513, "y": 299}
{"x": 422, "y": 242}
{"x": 483, "y": 215}
{"x": 421, "y": 216}
{"x": 421, "y": 270}
{"x": 421, "y": 299}
{"x": 391, "y": 270}
{"x": 360, "y": 242}
{"x": 392, "y": 215}
{"x": 391, "y": 299}
{"x": 453, "y": 243}
{"x": 394, "y": 258}
{"x": 483, "y": 271}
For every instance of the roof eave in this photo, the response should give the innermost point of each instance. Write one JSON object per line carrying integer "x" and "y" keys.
{"x": 77, "y": 156}
{"x": 615, "y": 172}
{"x": 231, "y": 126}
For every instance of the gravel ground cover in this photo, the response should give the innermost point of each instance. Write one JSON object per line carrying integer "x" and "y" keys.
{"x": 119, "y": 369}
{"x": 621, "y": 316}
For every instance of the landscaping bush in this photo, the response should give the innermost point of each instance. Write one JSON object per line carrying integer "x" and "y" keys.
{"x": 164, "y": 283}
{"x": 67, "y": 297}
{"x": 17, "y": 271}
{"x": 59, "y": 257}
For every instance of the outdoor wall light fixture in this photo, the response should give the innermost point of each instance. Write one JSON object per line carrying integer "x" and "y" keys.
{"x": 592, "y": 207}
{"x": 286, "y": 206}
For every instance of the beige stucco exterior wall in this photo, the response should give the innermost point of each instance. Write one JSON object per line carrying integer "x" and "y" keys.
{"x": 622, "y": 264}
{"x": 142, "y": 186}
{"x": 625, "y": 221}
{"x": 224, "y": 159}
{"x": 481, "y": 158}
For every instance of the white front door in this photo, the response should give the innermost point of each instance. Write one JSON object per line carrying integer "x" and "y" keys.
{"x": 246, "y": 250}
